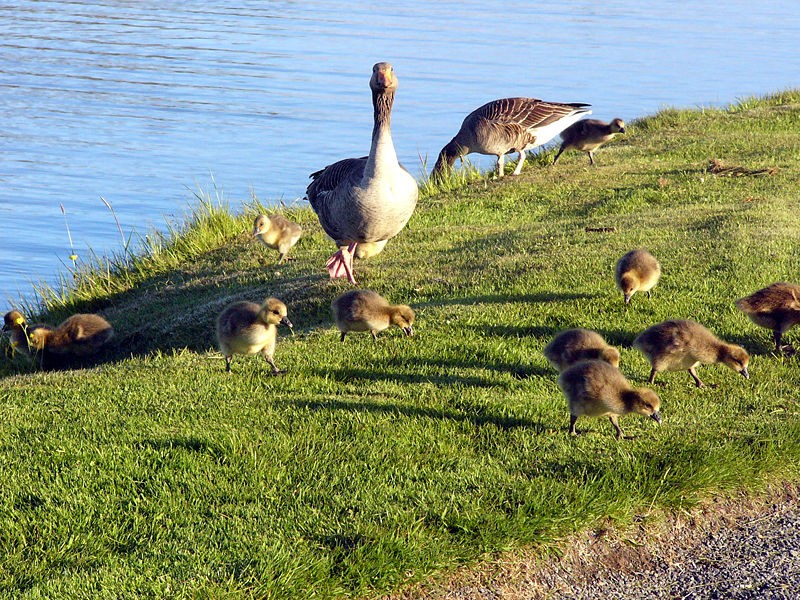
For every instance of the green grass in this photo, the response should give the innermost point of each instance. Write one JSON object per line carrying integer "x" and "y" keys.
{"x": 370, "y": 465}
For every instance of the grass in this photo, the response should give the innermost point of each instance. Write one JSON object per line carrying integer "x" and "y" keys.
{"x": 372, "y": 465}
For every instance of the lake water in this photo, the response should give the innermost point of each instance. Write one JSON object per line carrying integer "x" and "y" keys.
{"x": 140, "y": 102}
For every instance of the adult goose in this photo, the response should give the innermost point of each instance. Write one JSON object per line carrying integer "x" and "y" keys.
{"x": 509, "y": 125}
{"x": 367, "y": 199}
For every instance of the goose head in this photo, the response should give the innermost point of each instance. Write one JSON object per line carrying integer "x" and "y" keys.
{"x": 274, "y": 312}
{"x": 383, "y": 78}
{"x": 617, "y": 126}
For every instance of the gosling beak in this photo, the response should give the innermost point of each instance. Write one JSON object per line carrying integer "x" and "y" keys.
{"x": 622, "y": 130}
{"x": 409, "y": 331}
{"x": 656, "y": 417}
{"x": 744, "y": 373}
{"x": 288, "y": 323}
{"x": 628, "y": 298}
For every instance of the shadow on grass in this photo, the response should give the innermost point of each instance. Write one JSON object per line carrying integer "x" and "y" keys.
{"x": 351, "y": 374}
{"x": 541, "y": 297}
{"x": 518, "y": 371}
{"x": 414, "y": 412}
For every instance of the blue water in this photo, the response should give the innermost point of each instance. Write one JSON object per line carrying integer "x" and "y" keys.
{"x": 140, "y": 102}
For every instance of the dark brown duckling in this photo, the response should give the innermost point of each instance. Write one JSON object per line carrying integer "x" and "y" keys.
{"x": 588, "y": 135}
{"x": 776, "y": 307}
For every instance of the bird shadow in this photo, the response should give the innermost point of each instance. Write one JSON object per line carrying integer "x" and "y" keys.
{"x": 417, "y": 412}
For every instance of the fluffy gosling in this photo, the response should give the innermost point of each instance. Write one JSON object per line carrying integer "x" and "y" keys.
{"x": 277, "y": 232}
{"x": 776, "y": 307}
{"x": 247, "y": 328}
{"x": 683, "y": 345}
{"x": 573, "y": 345}
{"x": 364, "y": 310}
{"x": 588, "y": 135}
{"x": 596, "y": 389}
{"x": 17, "y": 326}
{"x": 637, "y": 271}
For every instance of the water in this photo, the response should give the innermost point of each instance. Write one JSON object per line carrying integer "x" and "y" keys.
{"x": 140, "y": 102}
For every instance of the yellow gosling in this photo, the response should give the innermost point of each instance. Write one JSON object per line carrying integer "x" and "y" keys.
{"x": 684, "y": 345}
{"x": 594, "y": 388}
{"x": 364, "y": 310}
{"x": 247, "y": 328}
{"x": 637, "y": 271}
{"x": 573, "y": 345}
{"x": 277, "y": 232}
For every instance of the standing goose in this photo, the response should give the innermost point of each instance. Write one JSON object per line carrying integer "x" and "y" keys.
{"x": 509, "y": 125}
{"x": 776, "y": 307}
{"x": 588, "y": 135}
{"x": 367, "y": 199}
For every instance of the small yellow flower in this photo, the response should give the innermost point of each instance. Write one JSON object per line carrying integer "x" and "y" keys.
{"x": 19, "y": 320}
{"x": 73, "y": 257}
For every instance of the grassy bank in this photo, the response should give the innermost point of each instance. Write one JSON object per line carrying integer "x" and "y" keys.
{"x": 369, "y": 465}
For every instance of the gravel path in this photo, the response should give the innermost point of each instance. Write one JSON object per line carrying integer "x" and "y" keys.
{"x": 739, "y": 549}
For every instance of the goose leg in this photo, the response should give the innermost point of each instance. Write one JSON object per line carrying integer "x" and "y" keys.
{"x": 341, "y": 263}
{"x": 521, "y": 160}
{"x": 560, "y": 150}
{"x": 501, "y": 159}
{"x": 591, "y": 157}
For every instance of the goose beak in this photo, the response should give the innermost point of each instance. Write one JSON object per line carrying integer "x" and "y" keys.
{"x": 409, "y": 331}
{"x": 656, "y": 417}
{"x": 744, "y": 373}
{"x": 288, "y": 323}
{"x": 628, "y": 298}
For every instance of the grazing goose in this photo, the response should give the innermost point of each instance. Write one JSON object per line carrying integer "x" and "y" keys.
{"x": 588, "y": 135}
{"x": 508, "y": 125}
{"x": 683, "y": 344}
{"x": 247, "y": 328}
{"x": 596, "y": 389}
{"x": 637, "y": 271}
{"x": 366, "y": 199}
{"x": 573, "y": 345}
{"x": 277, "y": 232}
{"x": 364, "y": 310}
{"x": 776, "y": 307}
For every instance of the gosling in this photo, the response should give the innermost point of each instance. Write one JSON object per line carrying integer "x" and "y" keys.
{"x": 247, "y": 328}
{"x": 573, "y": 345}
{"x": 683, "y": 344}
{"x": 637, "y": 271}
{"x": 16, "y": 324}
{"x": 594, "y": 388}
{"x": 364, "y": 310}
{"x": 277, "y": 232}
{"x": 776, "y": 307}
{"x": 588, "y": 135}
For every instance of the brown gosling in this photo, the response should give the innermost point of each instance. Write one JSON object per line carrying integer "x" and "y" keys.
{"x": 683, "y": 345}
{"x": 594, "y": 388}
{"x": 364, "y": 310}
{"x": 588, "y": 135}
{"x": 247, "y": 328}
{"x": 776, "y": 307}
{"x": 637, "y": 271}
{"x": 277, "y": 232}
{"x": 573, "y": 345}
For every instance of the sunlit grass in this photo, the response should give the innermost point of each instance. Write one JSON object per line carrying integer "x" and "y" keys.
{"x": 372, "y": 464}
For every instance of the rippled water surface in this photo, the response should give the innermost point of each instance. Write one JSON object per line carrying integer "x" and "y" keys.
{"x": 141, "y": 102}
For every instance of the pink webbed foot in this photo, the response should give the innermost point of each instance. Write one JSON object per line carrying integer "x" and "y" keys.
{"x": 341, "y": 264}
